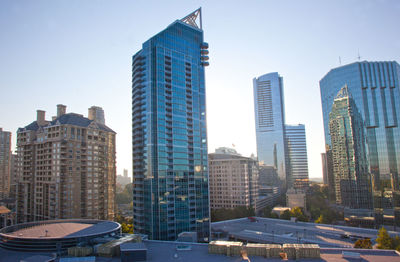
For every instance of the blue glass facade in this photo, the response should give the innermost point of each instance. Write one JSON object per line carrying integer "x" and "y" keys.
{"x": 374, "y": 87}
{"x": 296, "y": 155}
{"x": 169, "y": 134}
{"x": 270, "y": 121}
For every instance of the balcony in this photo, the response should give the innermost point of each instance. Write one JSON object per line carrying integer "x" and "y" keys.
{"x": 204, "y": 45}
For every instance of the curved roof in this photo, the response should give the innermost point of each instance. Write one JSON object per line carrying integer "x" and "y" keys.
{"x": 56, "y": 229}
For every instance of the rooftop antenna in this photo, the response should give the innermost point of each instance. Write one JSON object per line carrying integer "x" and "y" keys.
{"x": 340, "y": 61}
{"x": 359, "y": 57}
{"x": 194, "y": 19}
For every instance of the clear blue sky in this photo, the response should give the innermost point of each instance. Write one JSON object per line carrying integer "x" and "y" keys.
{"x": 78, "y": 53}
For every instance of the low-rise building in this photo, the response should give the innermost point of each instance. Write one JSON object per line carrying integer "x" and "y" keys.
{"x": 296, "y": 198}
{"x": 233, "y": 179}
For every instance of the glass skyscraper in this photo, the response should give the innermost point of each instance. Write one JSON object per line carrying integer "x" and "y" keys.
{"x": 374, "y": 87}
{"x": 350, "y": 168}
{"x": 169, "y": 133}
{"x": 270, "y": 121}
{"x": 296, "y": 155}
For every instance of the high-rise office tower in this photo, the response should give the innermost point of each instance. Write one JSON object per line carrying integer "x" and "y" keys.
{"x": 233, "y": 179}
{"x": 296, "y": 155}
{"x": 270, "y": 121}
{"x": 374, "y": 87}
{"x": 169, "y": 133}
{"x": 350, "y": 166}
{"x": 66, "y": 168}
{"x": 5, "y": 163}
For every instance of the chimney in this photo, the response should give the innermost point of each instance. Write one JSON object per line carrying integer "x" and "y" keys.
{"x": 61, "y": 110}
{"x": 40, "y": 117}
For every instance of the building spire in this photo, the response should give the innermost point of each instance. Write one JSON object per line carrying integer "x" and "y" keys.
{"x": 191, "y": 19}
{"x": 344, "y": 92}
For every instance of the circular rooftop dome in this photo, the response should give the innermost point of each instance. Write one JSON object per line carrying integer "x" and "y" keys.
{"x": 55, "y": 235}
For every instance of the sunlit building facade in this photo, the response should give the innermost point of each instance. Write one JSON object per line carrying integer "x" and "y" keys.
{"x": 66, "y": 168}
{"x": 169, "y": 133}
{"x": 233, "y": 180}
{"x": 374, "y": 87}
{"x": 5, "y": 163}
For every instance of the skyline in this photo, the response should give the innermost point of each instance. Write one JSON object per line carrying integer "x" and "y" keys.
{"x": 44, "y": 41}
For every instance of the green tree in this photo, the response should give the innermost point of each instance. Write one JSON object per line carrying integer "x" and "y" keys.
{"x": 127, "y": 228}
{"x": 298, "y": 213}
{"x": 226, "y": 214}
{"x": 384, "y": 240}
{"x": 396, "y": 243}
{"x": 266, "y": 212}
{"x": 363, "y": 243}
{"x": 321, "y": 220}
{"x": 285, "y": 215}
{"x": 126, "y": 196}
{"x": 273, "y": 215}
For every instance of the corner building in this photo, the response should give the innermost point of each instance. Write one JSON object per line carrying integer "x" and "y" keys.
{"x": 66, "y": 168}
{"x": 374, "y": 87}
{"x": 169, "y": 133}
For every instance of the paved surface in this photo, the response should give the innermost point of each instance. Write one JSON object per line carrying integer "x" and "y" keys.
{"x": 65, "y": 229}
{"x": 53, "y": 230}
{"x": 267, "y": 230}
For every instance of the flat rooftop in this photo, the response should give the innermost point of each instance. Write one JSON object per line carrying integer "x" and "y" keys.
{"x": 166, "y": 251}
{"x": 60, "y": 229}
{"x": 57, "y": 230}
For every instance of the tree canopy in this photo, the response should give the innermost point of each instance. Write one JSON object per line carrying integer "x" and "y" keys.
{"x": 226, "y": 214}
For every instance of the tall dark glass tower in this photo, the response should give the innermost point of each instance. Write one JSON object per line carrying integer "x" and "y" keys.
{"x": 374, "y": 87}
{"x": 169, "y": 133}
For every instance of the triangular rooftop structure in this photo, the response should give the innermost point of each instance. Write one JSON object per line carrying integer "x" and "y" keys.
{"x": 194, "y": 19}
{"x": 344, "y": 92}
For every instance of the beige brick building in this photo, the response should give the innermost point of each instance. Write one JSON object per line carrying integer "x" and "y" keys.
{"x": 67, "y": 168}
{"x": 233, "y": 179}
{"x": 5, "y": 163}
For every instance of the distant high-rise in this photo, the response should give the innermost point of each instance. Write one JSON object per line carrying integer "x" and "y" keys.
{"x": 97, "y": 114}
{"x": 233, "y": 179}
{"x": 296, "y": 151}
{"x": 267, "y": 176}
{"x": 5, "y": 163}
{"x": 374, "y": 87}
{"x": 169, "y": 133}
{"x": 324, "y": 168}
{"x": 14, "y": 176}
{"x": 350, "y": 166}
{"x": 66, "y": 168}
{"x": 270, "y": 121}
